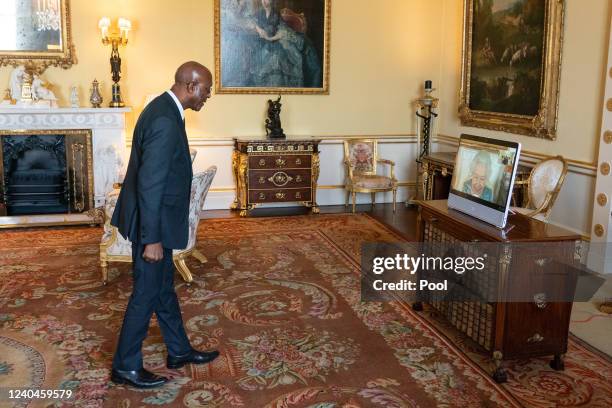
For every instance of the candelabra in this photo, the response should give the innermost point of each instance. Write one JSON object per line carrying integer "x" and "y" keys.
{"x": 425, "y": 116}
{"x": 425, "y": 106}
{"x": 115, "y": 39}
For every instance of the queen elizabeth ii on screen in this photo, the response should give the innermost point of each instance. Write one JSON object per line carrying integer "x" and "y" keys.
{"x": 480, "y": 172}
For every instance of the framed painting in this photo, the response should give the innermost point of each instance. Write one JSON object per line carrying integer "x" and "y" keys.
{"x": 36, "y": 33}
{"x": 272, "y": 46}
{"x": 511, "y": 65}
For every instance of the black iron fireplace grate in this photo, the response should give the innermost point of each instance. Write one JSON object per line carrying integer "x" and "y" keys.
{"x": 35, "y": 175}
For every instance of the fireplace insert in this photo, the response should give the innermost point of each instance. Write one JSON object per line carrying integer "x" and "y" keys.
{"x": 45, "y": 172}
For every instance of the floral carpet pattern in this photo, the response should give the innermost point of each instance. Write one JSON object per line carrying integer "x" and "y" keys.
{"x": 280, "y": 299}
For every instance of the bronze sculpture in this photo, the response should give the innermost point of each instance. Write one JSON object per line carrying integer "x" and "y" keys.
{"x": 273, "y": 122}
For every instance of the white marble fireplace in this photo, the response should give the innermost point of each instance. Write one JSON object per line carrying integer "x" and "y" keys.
{"x": 107, "y": 126}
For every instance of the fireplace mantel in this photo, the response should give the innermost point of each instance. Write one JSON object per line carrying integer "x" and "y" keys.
{"x": 108, "y": 138}
{"x": 63, "y": 118}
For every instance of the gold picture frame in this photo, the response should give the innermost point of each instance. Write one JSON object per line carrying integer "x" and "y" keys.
{"x": 513, "y": 59}
{"x": 236, "y": 83}
{"x": 57, "y": 55}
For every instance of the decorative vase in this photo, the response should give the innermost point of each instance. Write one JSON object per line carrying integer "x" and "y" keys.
{"x": 95, "y": 98}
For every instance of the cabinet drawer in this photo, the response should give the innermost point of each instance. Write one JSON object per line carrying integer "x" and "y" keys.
{"x": 280, "y": 195}
{"x": 280, "y": 161}
{"x": 279, "y": 178}
{"x": 531, "y": 330}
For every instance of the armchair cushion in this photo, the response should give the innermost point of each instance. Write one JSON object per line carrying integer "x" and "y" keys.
{"x": 372, "y": 181}
{"x": 544, "y": 179}
{"x": 361, "y": 156}
{"x": 199, "y": 189}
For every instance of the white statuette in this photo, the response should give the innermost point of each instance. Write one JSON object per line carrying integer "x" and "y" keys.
{"x": 74, "y": 97}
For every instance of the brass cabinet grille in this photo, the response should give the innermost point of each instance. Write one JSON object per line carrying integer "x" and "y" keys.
{"x": 475, "y": 319}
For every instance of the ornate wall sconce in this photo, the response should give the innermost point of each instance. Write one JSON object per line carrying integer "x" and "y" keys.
{"x": 115, "y": 38}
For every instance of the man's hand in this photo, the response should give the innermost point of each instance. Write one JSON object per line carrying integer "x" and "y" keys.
{"x": 153, "y": 252}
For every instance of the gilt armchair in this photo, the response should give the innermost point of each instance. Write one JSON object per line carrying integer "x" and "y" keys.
{"x": 115, "y": 248}
{"x": 543, "y": 186}
{"x": 361, "y": 162}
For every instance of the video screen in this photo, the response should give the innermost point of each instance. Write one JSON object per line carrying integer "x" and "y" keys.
{"x": 484, "y": 171}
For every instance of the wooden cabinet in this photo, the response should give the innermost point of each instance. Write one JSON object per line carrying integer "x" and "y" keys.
{"x": 275, "y": 171}
{"x": 532, "y": 327}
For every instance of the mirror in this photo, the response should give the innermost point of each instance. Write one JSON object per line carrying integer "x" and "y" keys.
{"x": 36, "y": 33}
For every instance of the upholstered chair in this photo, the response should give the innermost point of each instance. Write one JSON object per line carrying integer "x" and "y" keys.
{"x": 114, "y": 248}
{"x": 361, "y": 162}
{"x": 543, "y": 186}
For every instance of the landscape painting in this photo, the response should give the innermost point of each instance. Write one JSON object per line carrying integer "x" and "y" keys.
{"x": 508, "y": 77}
{"x": 508, "y": 36}
{"x": 272, "y": 46}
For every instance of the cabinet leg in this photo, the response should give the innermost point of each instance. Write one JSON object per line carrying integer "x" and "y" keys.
{"x": 557, "y": 363}
{"x": 499, "y": 375}
{"x": 417, "y": 306}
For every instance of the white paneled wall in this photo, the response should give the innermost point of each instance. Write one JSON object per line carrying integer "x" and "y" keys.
{"x": 601, "y": 228}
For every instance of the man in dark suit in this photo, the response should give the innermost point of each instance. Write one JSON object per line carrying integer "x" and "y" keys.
{"x": 152, "y": 212}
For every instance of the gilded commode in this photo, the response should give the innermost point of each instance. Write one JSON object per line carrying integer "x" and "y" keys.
{"x": 275, "y": 171}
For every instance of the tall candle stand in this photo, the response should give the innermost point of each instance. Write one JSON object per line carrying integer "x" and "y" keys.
{"x": 425, "y": 118}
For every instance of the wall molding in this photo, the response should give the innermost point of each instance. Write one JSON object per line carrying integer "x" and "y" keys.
{"x": 402, "y": 184}
{"x": 228, "y": 141}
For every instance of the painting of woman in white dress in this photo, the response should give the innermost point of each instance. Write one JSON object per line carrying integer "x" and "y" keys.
{"x": 271, "y": 46}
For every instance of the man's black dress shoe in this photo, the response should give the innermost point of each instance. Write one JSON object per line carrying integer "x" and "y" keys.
{"x": 138, "y": 378}
{"x": 193, "y": 357}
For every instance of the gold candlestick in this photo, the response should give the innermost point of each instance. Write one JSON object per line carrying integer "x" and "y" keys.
{"x": 115, "y": 39}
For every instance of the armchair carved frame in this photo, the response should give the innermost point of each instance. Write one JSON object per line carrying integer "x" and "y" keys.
{"x": 367, "y": 179}
{"x": 542, "y": 209}
{"x": 114, "y": 248}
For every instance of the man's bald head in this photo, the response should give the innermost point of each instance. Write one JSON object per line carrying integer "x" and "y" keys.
{"x": 190, "y": 71}
{"x": 192, "y": 84}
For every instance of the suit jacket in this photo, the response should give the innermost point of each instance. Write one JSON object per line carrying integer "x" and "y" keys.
{"x": 153, "y": 205}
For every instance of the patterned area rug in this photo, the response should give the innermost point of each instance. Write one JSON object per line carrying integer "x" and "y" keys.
{"x": 280, "y": 299}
